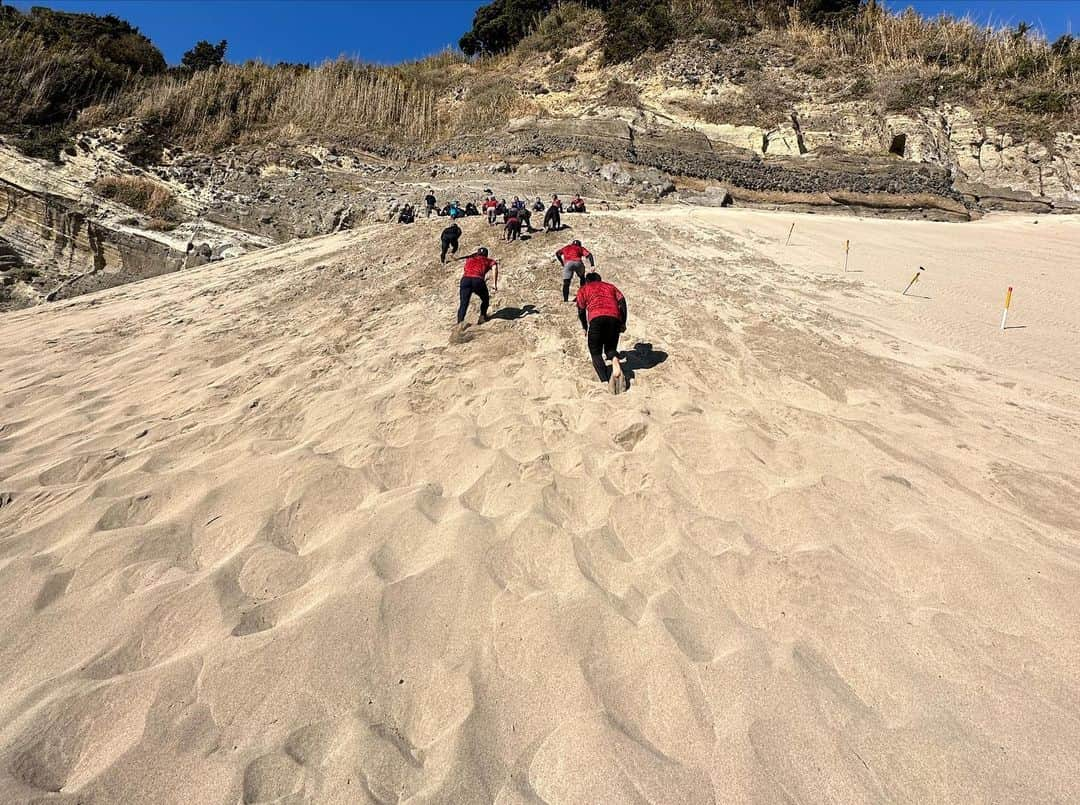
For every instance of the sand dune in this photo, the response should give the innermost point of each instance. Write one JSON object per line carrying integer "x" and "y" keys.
{"x": 267, "y": 535}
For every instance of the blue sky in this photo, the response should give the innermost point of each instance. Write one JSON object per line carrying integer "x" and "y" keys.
{"x": 388, "y": 31}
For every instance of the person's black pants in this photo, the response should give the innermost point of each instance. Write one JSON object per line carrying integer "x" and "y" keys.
{"x": 603, "y": 341}
{"x": 448, "y": 244}
{"x": 468, "y": 287}
{"x": 552, "y": 220}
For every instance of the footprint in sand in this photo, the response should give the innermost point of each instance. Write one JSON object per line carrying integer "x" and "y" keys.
{"x": 271, "y": 777}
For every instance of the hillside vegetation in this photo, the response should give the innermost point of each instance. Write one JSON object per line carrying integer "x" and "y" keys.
{"x": 53, "y": 64}
{"x": 1011, "y": 78}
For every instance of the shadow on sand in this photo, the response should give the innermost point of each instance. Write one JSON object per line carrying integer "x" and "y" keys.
{"x": 642, "y": 356}
{"x": 511, "y": 313}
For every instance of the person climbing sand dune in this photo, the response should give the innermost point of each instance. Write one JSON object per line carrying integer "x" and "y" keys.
{"x": 449, "y": 240}
{"x": 571, "y": 257}
{"x": 602, "y": 312}
{"x": 553, "y": 218}
{"x": 513, "y": 227}
{"x": 474, "y": 281}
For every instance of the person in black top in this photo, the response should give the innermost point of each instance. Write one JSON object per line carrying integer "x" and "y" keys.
{"x": 407, "y": 215}
{"x": 449, "y": 239}
{"x": 552, "y": 219}
{"x": 429, "y": 203}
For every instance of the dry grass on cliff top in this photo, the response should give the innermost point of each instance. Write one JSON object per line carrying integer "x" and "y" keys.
{"x": 408, "y": 104}
{"x": 1011, "y": 78}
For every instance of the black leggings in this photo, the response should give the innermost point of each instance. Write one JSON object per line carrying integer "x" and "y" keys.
{"x": 448, "y": 244}
{"x": 468, "y": 287}
{"x": 553, "y": 220}
{"x": 603, "y": 340}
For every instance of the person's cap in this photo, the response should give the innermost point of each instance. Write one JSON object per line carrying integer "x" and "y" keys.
{"x": 577, "y": 242}
{"x": 482, "y": 251}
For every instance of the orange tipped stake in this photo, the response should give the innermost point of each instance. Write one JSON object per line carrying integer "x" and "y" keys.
{"x": 913, "y": 281}
{"x": 1005, "y": 312}
{"x": 786, "y": 242}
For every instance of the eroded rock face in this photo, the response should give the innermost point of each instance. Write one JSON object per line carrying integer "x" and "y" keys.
{"x": 71, "y": 253}
{"x": 62, "y": 239}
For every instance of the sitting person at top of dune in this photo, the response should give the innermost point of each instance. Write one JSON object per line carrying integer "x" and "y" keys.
{"x": 538, "y": 205}
{"x": 577, "y": 204}
{"x": 407, "y": 215}
{"x": 470, "y": 209}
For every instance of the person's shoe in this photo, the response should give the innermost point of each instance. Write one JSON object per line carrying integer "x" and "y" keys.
{"x": 483, "y": 319}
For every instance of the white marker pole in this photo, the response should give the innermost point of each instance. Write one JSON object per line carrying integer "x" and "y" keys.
{"x": 1005, "y": 312}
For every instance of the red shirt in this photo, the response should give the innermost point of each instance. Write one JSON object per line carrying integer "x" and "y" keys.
{"x": 490, "y": 204}
{"x": 599, "y": 299}
{"x": 557, "y": 203}
{"x": 478, "y": 266}
{"x": 573, "y": 252}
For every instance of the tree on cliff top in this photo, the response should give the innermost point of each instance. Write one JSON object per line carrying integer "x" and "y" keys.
{"x": 204, "y": 56}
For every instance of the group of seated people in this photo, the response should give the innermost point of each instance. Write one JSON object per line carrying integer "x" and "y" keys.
{"x": 495, "y": 209}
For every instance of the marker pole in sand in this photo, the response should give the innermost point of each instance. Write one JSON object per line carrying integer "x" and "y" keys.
{"x": 847, "y": 247}
{"x": 1005, "y": 312}
{"x": 913, "y": 281}
{"x": 786, "y": 242}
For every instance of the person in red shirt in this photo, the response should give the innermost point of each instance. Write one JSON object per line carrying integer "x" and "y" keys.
{"x": 572, "y": 259}
{"x": 602, "y": 311}
{"x": 474, "y": 281}
{"x": 513, "y": 226}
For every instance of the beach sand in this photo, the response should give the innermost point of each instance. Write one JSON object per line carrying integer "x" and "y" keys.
{"x": 267, "y": 533}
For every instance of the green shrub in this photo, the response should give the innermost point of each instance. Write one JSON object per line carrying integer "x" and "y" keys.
{"x": 1046, "y": 102}
{"x": 636, "y": 26}
{"x": 53, "y": 64}
{"x": 567, "y": 25}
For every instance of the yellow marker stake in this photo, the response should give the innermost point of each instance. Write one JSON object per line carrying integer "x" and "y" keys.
{"x": 786, "y": 242}
{"x": 1005, "y": 312}
{"x": 913, "y": 281}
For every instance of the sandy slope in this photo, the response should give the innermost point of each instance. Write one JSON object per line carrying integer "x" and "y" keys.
{"x": 265, "y": 534}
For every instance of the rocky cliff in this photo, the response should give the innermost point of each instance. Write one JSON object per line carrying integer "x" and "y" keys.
{"x": 701, "y": 123}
